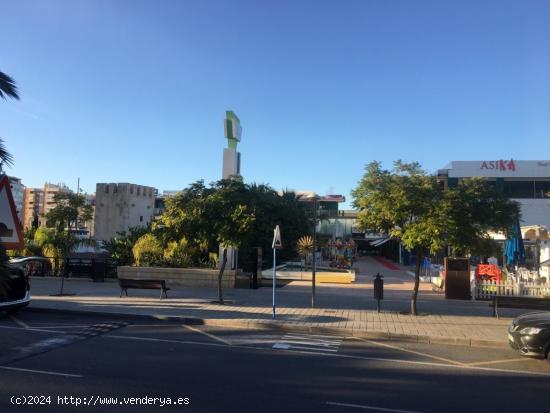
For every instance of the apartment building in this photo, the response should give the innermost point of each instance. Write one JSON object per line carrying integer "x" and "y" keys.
{"x": 39, "y": 201}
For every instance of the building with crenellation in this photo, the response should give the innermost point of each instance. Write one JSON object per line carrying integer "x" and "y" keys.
{"x": 120, "y": 206}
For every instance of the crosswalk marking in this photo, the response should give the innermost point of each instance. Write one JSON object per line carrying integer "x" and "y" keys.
{"x": 61, "y": 340}
{"x": 314, "y": 343}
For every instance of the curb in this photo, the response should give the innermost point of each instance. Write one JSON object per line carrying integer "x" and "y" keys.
{"x": 282, "y": 326}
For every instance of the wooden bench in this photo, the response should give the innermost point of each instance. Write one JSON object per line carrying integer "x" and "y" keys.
{"x": 531, "y": 303}
{"x": 143, "y": 284}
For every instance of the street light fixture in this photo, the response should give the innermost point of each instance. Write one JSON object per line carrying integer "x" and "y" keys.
{"x": 314, "y": 198}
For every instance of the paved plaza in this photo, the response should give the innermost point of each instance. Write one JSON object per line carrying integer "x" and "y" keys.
{"x": 341, "y": 309}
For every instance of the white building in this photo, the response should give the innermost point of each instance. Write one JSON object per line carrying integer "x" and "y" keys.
{"x": 121, "y": 206}
{"x": 527, "y": 182}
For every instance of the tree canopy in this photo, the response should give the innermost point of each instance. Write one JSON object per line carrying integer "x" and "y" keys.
{"x": 409, "y": 204}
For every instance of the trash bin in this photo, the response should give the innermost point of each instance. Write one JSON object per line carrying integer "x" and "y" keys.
{"x": 378, "y": 289}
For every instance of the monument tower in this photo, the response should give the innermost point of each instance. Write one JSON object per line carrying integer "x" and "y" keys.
{"x": 231, "y": 166}
{"x": 231, "y": 158}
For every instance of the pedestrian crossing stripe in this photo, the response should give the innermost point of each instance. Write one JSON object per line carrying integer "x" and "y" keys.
{"x": 306, "y": 342}
{"x": 62, "y": 340}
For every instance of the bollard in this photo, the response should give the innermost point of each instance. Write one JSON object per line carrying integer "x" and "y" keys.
{"x": 378, "y": 289}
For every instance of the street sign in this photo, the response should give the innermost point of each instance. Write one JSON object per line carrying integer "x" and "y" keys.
{"x": 11, "y": 236}
{"x": 277, "y": 244}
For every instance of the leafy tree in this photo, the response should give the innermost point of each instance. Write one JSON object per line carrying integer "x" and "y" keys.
{"x": 50, "y": 243}
{"x": 148, "y": 251}
{"x": 270, "y": 209}
{"x": 208, "y": 217}
{"x": 63, "y": 219}
{"x": 120, "y": 246}
{"x": 227, "y": 218}
{"x": 230, "y": 213}
{"x": 30, "y": 248}
{"x": 408, "y": 204}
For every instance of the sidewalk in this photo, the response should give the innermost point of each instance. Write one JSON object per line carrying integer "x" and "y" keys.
{"x": 342, "y": 309}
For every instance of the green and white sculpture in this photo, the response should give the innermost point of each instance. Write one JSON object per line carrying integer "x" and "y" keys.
{"x": 231, "y": 158}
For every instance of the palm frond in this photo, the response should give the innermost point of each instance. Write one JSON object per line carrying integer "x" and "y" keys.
{"x": 8, "y": 87}
{"x": 5, "y": 156}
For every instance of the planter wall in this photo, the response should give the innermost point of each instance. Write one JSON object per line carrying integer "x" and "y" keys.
{"x": 179, "y": 277}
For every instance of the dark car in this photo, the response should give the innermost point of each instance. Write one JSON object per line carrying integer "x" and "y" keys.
{"x": 530, "y": 334}
{"x": 14, "y": 289}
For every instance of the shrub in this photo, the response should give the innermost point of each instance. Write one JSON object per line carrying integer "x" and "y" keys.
{"x": 148, "y": 251}
{"x": 179, "y": 254}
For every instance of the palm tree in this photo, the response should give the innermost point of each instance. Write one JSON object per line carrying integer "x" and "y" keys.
{"x": 305, "y": 247}
{"x": 6, "y": 158}
{"x": 7, "y": 87}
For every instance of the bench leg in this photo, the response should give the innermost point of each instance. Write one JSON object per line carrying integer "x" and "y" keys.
{"x": 165, "y": 294}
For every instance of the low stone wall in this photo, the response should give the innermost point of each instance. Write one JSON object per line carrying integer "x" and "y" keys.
{"x": 179, "y": 277}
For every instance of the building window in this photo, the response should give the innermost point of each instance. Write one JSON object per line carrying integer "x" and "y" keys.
{"x": 519, "y": 189}
{"x": 141, "y": 218}
{"x": 542, "y": 189}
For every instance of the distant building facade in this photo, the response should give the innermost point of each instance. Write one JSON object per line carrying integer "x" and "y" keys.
{"x": 120, "y": 206}
{"x": 32, "y": 207}
{"x": 527, "y": 182}
{"x": 37, "y": 202}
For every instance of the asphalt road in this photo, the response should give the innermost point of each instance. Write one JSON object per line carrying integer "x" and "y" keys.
{"x": 130, "y": 362}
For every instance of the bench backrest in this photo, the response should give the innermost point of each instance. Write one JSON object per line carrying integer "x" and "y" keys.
{"x": 129, "y": 283}
{"x": 537, "y": 302}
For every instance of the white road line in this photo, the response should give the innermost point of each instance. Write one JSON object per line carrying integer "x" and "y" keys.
{"x": 64, "y": 326}
{"x": 165, "y": 340}
{"x": 305, "y": 342}
{"x": 313, "y": 340}
{"x": 52, "y": 373}
{"x": 418, "y": 353}
{"x": 482, "y": 363}
{"x": 284, "y": 346}
{"x": 42, "y": 330}
{"x": 346, "y": 356}
{"x": 19, "y": 322}
{"x": 360, "y": 406}
{"x": 212, "y": 336}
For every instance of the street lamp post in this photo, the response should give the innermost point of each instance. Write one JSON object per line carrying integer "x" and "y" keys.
{"x": 314, "y": 263}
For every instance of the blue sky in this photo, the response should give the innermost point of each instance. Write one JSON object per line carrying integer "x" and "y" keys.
{"x": 136, "y": 91}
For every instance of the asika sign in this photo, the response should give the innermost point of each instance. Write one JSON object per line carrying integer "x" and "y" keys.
{"x": 500, "y": 165}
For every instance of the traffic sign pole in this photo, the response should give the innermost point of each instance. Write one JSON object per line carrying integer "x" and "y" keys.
{"x": 274, "y": 278}
{"x": 277, "y": 243}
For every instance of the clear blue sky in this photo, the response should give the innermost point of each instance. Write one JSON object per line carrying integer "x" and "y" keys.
{"x": 136, "y": 91}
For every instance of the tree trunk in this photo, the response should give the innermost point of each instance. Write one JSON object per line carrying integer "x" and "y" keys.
{"x": 419, "y": 258}
{"x": 64, "y": 258}
{"x": 220, "y": 274}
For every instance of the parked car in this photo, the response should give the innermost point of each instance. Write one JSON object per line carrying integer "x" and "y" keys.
{"x": 530, "y": 334}
{"x": 14, "y": 289}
